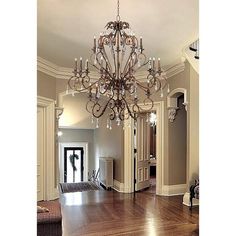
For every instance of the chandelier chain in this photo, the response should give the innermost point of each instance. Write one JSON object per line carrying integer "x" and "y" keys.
{"x": 118, "y": 10}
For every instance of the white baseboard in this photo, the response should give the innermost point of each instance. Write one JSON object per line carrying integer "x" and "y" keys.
{"x": 186, "y": 200}
{"x": 172, "y": 190}
{"x": 118, "y": 186}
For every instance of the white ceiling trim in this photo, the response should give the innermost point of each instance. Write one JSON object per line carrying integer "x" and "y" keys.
{"x": 58, "y": 72}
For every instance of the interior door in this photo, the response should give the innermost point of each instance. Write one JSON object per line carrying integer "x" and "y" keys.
{"x": 143, "y": 153}
{"x": 40, "y": 155}
{"x": 73, "y": 164}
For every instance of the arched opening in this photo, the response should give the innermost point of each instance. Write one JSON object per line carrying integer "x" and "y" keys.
{"x": 177, "y": 144}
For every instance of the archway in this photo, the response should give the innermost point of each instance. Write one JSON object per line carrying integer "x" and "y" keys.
{"x": 177, "y": 141}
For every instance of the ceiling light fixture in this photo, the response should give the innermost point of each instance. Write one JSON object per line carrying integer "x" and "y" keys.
{"x": 117, "y": 56}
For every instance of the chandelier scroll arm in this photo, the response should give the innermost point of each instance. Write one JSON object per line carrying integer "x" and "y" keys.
{"x": 103, "y": 109}
{"x": 80, "y": 90}
{"x": 129, "y": 111}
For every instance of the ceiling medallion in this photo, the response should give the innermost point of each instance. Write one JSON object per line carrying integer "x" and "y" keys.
{"x": 117, "y": 56}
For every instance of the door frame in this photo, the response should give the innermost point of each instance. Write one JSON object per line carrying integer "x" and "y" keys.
{"x": 48, "y": 132}
{"x": 63, "y": 145}
{"x": 158, "y": 107}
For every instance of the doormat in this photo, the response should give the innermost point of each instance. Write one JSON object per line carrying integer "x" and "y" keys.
{"x": 78, "y": 187}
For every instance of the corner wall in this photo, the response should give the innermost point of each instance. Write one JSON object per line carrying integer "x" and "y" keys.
{"x": 109, "y": 143}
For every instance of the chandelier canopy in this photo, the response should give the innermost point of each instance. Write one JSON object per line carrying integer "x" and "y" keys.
{"x": 117, "y": 56}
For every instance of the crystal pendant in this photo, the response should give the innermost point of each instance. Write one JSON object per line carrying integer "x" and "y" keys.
{"x": 156, "y": 87}
{"x": 161, "y": 93}
{"x": 168, "y": 88}
{"x": 139, "y": 64}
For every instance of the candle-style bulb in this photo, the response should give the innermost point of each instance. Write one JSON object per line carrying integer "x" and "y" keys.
{"x": 153, "y": 62}
{"x": 81, "y": 62}
{"x": 168, "y": 88}
{"x": 149, "y": 63}
{"x": 141, "y": 42}
{"x": 159, "y": 63}
{"x": 76, "y": 63}
{"x": 86, "y": 64}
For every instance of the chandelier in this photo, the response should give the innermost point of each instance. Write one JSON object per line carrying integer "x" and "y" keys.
{"x": 116, "y": 56}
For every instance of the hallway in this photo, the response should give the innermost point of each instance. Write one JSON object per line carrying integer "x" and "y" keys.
{"x": 113, "y": 213}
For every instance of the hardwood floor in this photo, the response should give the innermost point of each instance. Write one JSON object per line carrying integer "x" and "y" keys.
{"x": 113, "y": 213}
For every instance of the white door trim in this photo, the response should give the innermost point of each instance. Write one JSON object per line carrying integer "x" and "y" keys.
{"x": 50, "y": 186}
{"x": 62, "y": 145}
{"x": 129, "y": 146}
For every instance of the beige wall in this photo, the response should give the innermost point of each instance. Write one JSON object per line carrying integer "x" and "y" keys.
{"x": 81, "y": 135}
{"x": 193, "y": 165}
{"x": 75, "y": 114}
{"x": 180, "y": 80}
{"x": 46, "y": 85}
{"x": 177, "y": 143}
{"x": 109, "y": 143}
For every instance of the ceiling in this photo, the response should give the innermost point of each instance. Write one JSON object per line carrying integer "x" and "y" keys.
{"x": 66, "y": 28}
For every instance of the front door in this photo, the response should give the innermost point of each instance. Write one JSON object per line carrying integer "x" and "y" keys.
{"x": 73, "y": 164}
{"x": 143, "y": 153}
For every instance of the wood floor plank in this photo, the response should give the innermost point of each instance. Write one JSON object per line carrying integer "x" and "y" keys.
{"x": 112, "y": 213}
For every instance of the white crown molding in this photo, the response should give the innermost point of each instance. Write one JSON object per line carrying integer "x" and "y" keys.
{"x": 58, "y": 72}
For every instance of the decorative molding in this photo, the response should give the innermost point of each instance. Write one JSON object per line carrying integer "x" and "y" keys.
{"x": 186, "y": 200}
{"x": 185, "y": 105}
{"x": 172, "y": 102}
{"x": 58, "y": 72}
{"x": 174, "y": 69}
{"x": 58, "y": 111}
{"x": 171, "y": 190}
{"x": 172, "y": 113}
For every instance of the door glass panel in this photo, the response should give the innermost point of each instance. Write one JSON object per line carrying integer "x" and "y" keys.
{"x": 73, "y": 168}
